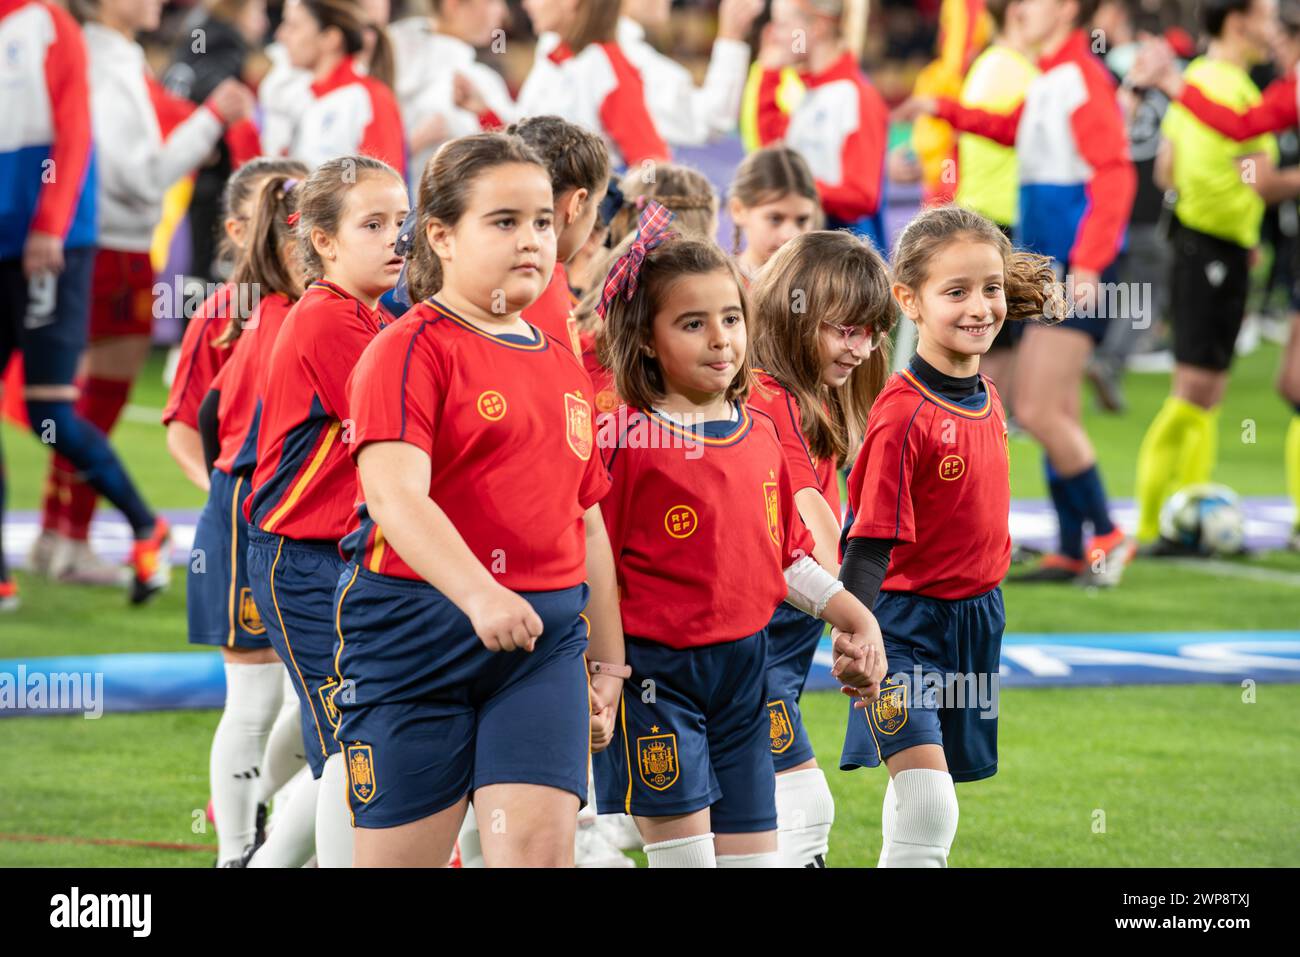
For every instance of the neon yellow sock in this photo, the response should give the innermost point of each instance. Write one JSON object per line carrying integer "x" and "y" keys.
{"x": 1200, "y": 449}
{"x": 1291, "y": 455}
{"x": 1162, "y": 460}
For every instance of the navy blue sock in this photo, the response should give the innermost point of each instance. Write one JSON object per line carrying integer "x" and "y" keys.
{"x": 87, "y": 448}
{"x": 1089, "y": 497}
{"x": 1067, "y": 516}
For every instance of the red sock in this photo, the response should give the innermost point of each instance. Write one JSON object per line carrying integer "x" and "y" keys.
{"x": 100, "y": 404}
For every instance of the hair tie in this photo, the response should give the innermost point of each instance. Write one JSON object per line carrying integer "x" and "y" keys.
{"x": 289, "y": 184}
{"x": 651, "y": 230}
{"x": 292, "y": 219}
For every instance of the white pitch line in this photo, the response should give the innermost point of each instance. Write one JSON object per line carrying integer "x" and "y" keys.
{"x": 1231, "y": 570}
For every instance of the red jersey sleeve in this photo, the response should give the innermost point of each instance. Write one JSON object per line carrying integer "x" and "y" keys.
{"x": 625, "y": 116}
{"x": 1276, "y": 111}
{"x": 771, "y": 121}
{"x": 66, "y": 78}
{"x": 394, "y": 392}
{"x": 383, "y": 138}
{"x": 326, "y": 351}
{"x": 796, "y": 541}
{"x": 999, "y": 127}
{"x": 1102, "y": 140}
{"x": 617, "y": 464}
{"x": 784, "y": 411}
{"x": 880, "y": 486}
{"x": 199, "y": 361}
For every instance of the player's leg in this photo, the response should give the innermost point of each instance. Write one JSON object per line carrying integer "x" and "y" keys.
{"x": 53, "y": 336}
{"x": 1288, "y": 385}
{"x": 657, "y": 769}
{"x": 804, "y": 805}
{"x": 924, "y": 814}
{"x": 419, "y": 843}
{"x": 284, "y": 756}
{"x": 526, "y": 825}
{"x": 334, "y": 832}
{"x": 12, "y": 292}
{"x": 291, "y": 840}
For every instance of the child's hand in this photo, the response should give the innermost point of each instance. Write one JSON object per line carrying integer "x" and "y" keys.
{"x": 860, "y": 663}
{"x": 503, "y": 620}
{"x": 604, "y": 693}
{"x": 913, "y": 108}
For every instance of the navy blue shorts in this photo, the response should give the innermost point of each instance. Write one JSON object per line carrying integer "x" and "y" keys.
{"x": 429, "y": 715}
{"x": 692, "y": 733}
{"x": 294, "y": 581}
{"x": 47, "y": 318}
{"x": 1094, "y": 326}
{"x": 792, "y": 639}
{"x": 941, "y": 686}
{"x": 219, "y": 603}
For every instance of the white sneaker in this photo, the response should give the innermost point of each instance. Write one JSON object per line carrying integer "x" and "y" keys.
{"x": 46, "y": 553}
{"x": 79, "y": 565}
{"x": 590, "y": 849}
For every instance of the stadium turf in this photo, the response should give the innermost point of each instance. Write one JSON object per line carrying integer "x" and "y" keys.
{"x": 1135, "y": 775}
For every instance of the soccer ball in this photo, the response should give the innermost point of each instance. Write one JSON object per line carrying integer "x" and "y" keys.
{"x": 1205, "y": 518}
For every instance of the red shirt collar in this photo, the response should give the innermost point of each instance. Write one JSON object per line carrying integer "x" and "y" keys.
{"x": 343, "y": 74}
{"x": 843, "y": 68}
{"x": 1074, "y": 48}
{"x": 561, "y": 53}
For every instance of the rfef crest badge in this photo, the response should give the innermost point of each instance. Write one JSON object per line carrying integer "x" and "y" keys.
{"x": 781, "y": 729}
{"x": 361, "y": 772}
{"x": 889, "y": 711}
{"x": 656, "y": 758}
{"x": 326, "y": 694}
{"x": 772, "y": 502}
{"x": 250, "y": 619}
{"x": 577, "y": 424}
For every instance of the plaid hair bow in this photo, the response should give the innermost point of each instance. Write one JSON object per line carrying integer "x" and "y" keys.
{"x": 651, "y": 230}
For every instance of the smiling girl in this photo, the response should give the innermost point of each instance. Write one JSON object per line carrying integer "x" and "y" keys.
{"x": 304, "y": 485}
{"x": 707, "y": 543}
{"x": 929, "y": 543}
{"x": 772, "y": 199}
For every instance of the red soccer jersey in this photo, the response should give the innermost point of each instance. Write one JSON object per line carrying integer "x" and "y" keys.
{"x": 305, "y": 485}
{"x": 240, "y": 385}
{"x": 200, "y": 360}
{"x": 507, "y": 424}
{"x": 934, "y": 475}
{"x": 702, "y": 526}
{"x": 602, "y": 379}
{"x": 805, "y": 471}
{"x": 553, "y": 310}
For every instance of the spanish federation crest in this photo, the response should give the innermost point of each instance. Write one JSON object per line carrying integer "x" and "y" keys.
{"x": 326, "y": 694}
{"x": 781, "y": 730}
{"x": 361, "y": 772}
{"x": 772, "y": 502}
{"x": 577, "y": 419}
{"x": 889, "y": 711}
{"x": 250, "y": 619}
{"x": 656, "y": 758}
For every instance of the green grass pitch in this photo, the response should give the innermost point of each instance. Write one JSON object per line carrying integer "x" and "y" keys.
{"x": 1116, "y": 776}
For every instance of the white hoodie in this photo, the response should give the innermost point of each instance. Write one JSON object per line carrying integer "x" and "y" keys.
{"x": 135, "y": 165}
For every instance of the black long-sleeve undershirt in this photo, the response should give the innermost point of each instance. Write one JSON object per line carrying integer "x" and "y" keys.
{"x": 208, "y": 428}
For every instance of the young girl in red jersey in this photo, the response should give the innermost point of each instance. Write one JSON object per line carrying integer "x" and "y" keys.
{"x": 200, "y": 356}
{"x": 930, "y": 492}
{"x": 461, "y": 624}
{"x": 582, "y": 74}
{"x": 579, "y": 166}
{"x": 707, "y": 543}
{"x": 772, "y": 199}
{"x": 304, "y": 483}
{"x": 220, "y": 605}
{"x": 823, "y": 312}
{"x": 349, "y": 111}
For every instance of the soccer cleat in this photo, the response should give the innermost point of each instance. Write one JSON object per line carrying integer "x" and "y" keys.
{"x": 79, "y": 565}
{"x": 1166, "y": 548}
{"x": 1106, "y": 557}
{"x": 1051, "y": 568}
{"x": 151, "y": 563}
{"x": 9, "y": 600}
{"x": 45, "y": 554}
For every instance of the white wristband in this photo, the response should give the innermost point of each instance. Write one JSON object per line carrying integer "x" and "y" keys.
{"x": 810, "y": 586}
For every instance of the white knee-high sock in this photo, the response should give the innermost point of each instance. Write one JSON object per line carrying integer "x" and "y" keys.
{"x": 333, "y": 816}
{"x": 765, "y": 859}
{"x": 805, "y": 811}
{"x": 927, "y": 819}
{"x": 888, "y": 817}
{"x": 285, "y": 754}
{"x": 471, "y": 846}
{"x": 292, "y": 841}
{"x": 682, "y": 852}
{"x": 252, "y": 700}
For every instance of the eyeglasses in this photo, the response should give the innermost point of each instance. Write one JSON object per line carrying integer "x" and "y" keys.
{"x": 855, "y": 336}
